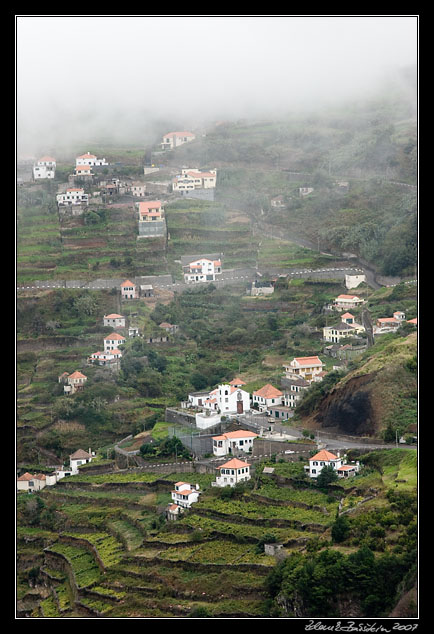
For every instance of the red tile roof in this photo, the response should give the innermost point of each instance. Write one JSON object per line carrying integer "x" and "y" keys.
{"x": 268, "y": 391}
{"x": 324, "y": 455}
{"x": 234, "y": 464}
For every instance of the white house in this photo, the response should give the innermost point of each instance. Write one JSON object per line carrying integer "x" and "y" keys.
{"x": 114, "y": 320}
{"x": 30, "y": 483}
{"x": 190, "y": 179}
{"x": 128, "y": 290}
{"x": 267, "y": 396}
{"x": 105, "y": 358}
{"x": 80, "y": 457}
{"x": 233, "y": 442}
{"x": 73, "y": 196}
{"x": 306, "y": 367}
{"x": 45, "y": 167}
{"x": 89, "y": 159}
{"x": 150, "y": 211}
{"x": 293, "y": 390}
{"x": 325, "y": 458}
{"x": 202, "y": 270}
{"x": 341, "y": 330}
{"x": 343, "y": 302}
{"x": 232, "y": 472}
{"x": 112, "y": 341}
{"x": 185, "y": 494}
{"x": 174, "y": 139}
{"x": 74, "y": 382}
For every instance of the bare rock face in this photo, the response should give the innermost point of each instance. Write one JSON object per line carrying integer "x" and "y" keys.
{"x": 351, "y": 409}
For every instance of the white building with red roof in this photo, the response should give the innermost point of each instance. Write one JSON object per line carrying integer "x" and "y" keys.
{"x": 73, "y": 196}
{"x": 129, "y": 290}
{"x": 191, "y": 179}
{"x": 112, "y": 341}
{"x": 326, "y": 458}
{"x": 73, "y": 382}
{"x": 233, "y": 442}
{"x": 45, "y": 167}
{"x": 185, "y": 494}
{"x": 306, "y": 367}
{"x": 89, "y": 159}
{"x": 202, "y": 270}
{"x": 114, "y": 320}
{"x": 172, "y": 140}
{"x": 232, "y": 472}
{"x": 344, "y": 301}
{"x": 267, "y": 396}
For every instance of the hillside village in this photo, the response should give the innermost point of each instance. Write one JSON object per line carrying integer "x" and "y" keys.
{"x": 206, "y": 457}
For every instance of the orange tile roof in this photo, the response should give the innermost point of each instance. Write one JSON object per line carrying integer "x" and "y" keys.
{"x": 169, "y": 134}
{"x": 324, "y": 455}
{"x": 239, "y": 433}
{"x": 88, "y": 155}
{"x": 412, "y": 321}
{"x": 348, "y": 297}
{"x": 83, "y": 167}
{"x": 25, "y": 477}
{"x": 151, "y": 204}
{"x": 77, "y": 375}
{"x": 46, "y": 158}
{"x": 113, "y": 316}
{"x": 237, "y": 381}
{"x": 268, "y": 391}
{"x": 115, "y": 336}
{"x": 346, "y": 315}
{"x": 234, "y": 464}
{"x": 308, "y": 360}
{"x": 127, "y": 283}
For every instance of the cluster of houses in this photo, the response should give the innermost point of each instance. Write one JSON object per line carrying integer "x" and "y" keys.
{"x": 347, "y": 325}
{"x": 231, "y": 399}
{"x": 35, "y": 482}
{"x": 236, "y": 470}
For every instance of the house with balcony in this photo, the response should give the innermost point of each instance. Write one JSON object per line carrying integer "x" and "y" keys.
{"x": 326, "y": 458}
{"x": 233, "y": 442}
{"x": 345, "y": 301}
{"x": 72, "y": 383}
{"x": 105, "y": 358}
{"x": 232, "y": 473}
{"x": 304, "y": 367}
{"x": 172, "y": 140}
{"x": 191, "y": 179}
{"x": 341, "y": 330}
{"x": 202, "y": 270}
{"x": 152, "y": 221}
{"x": 72, "y": 196}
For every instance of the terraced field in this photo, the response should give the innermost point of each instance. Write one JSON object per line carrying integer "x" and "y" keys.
{"x": 114, "y": 554}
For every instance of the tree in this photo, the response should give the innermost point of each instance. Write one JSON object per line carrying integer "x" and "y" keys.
{"x": 327, "y": 476}
{"x": 340, "y": 529}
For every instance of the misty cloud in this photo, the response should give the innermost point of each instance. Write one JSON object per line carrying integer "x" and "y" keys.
{"x": 82, "y": 73}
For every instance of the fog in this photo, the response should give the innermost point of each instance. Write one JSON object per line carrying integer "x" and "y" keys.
{"x": 125, "y": 78}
